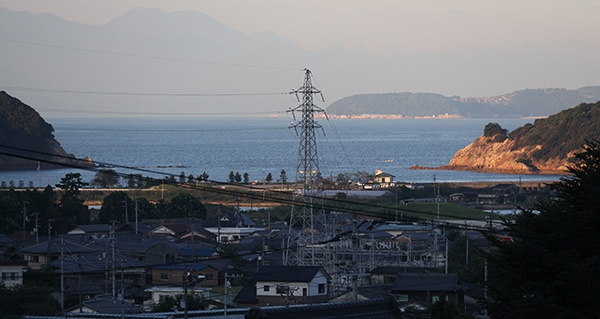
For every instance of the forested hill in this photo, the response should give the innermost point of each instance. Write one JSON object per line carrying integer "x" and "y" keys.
{"x": 546, "y": 146}
{"x": 22, "y": 127}
{"x": 523, "y": 103}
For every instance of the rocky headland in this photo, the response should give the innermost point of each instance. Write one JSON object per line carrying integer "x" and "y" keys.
{"x": 545, "y": 147}
{"x": 27, "y": 140}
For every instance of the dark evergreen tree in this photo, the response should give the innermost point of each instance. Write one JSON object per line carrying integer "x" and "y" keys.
{"x": 185, "y": 205}
{"x": 550, "y": 268}
{"x": 71, "y": 183}
{"x": 106, "y": 178}
{"x": 269, "y": 178}
{"x": 283, "y": 176}
{"x": 113, "y": 207}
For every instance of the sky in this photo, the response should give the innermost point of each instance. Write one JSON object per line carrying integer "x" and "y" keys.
{"x": 379, "y": 25}
{"x": 469, "y": 48}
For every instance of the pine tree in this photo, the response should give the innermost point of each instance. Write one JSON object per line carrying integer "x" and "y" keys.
{"x": 551, "y": 267}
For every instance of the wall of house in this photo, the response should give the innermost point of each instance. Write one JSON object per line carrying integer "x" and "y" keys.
{"x": 11, "y": 275}
{"x": 174, "y": 277}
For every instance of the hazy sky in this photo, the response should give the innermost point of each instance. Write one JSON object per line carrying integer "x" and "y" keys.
{"x": 470, "y": 48}
{"x": 384, "y": 25}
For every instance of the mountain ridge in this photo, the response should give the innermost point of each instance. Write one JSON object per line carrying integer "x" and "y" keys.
{"x": 521, "y": 103}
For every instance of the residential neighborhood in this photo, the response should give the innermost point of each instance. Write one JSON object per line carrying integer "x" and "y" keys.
{"x": 233, "y": 259}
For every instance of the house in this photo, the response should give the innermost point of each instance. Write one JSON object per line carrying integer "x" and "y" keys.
{"x": 150, "y": 250}
{"x": 104, "y": 304}
{"x": 383, "y": 179}
{"x": 232, "y": 234}
{"x": 93, "y": 231}
{"x": 91, "y": 274}
{"x": 427, "y": 288}
{"x": 12, "y": 272}
{"x": 284, "y": 285}
{"x": 46, "y": 252}
{"x": 195, "y": 274}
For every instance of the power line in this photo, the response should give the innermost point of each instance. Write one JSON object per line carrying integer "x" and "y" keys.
{"x": 66, "y": 91}
{"x": 146, "y": 56}
{"x": 154, "y": 113}
{"x": 332, "y": 204}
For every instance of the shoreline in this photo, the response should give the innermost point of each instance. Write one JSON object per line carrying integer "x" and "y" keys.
{"x": 479, "y": 170}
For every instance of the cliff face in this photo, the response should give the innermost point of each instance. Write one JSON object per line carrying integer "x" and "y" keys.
{"x": 545, "y": 147}
{"x": 26, "y": 139}
{"x": 486, "y": 154}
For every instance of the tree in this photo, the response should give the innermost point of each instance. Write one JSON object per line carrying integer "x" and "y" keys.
{"x": 113, "y": 207}
{"x": 269, "y": 178}
{"x": 231, "y": 177}
{"x": 550, "y": 267}
{"x": 185, "y": 205}
{"x": 205, "y": 176}
{"x": 238, "y": 177}
{"x": 106, "y": 178}
{"x": 71, "y": 183}
{"x": 246, "y": 178}
{"x": 283, "y": 176}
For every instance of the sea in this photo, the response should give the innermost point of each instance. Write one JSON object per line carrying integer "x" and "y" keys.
{"x": 159, "y": 147}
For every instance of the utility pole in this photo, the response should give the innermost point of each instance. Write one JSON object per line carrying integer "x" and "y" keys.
{"x": 36, "y": 230}
{"x": 354, "y": 262}
{"x": 112, "y": 244}
{"x": 126, "y": 212}
{"x": 49, "y": 252}
{"x": 136, "y": 217}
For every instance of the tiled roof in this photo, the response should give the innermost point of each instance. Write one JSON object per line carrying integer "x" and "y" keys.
{"x": 287, "y": 273}
{"x": 92, "y": 262}
{"x": 56, "y": 247}
{"x": 425, "y": 282}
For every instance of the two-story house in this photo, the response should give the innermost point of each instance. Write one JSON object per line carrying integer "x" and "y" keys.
{"x": 284, "y": 285}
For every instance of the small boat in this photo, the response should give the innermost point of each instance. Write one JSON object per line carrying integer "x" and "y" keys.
{"x": 389, "y": 161}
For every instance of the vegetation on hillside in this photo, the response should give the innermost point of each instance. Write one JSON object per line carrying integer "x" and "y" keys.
{"x": 561, "y": 133}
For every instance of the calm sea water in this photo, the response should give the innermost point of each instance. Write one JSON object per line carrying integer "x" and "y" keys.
{"x": 260, "y": 146}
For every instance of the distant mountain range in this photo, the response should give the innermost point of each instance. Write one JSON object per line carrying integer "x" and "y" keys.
{"x": 523, "y": 103}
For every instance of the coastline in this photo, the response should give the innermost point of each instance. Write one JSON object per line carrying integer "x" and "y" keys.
{"x": 484, "y": 170}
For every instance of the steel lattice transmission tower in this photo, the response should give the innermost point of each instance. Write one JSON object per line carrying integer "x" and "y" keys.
{"x": 307, "y": 220}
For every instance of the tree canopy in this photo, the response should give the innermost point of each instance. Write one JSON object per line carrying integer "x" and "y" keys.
{"x": 550, "y": 267}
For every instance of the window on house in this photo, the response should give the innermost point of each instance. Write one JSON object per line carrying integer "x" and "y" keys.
{"x": 321, "y": 288}
{"x": 4, "y": 275}
{"x": 304, "y": 292}
{"x": 13, "y": 276}
{"x": 266, "y": 288}
{"x": 164, "y": 276}
{"x": 209, "y": 277}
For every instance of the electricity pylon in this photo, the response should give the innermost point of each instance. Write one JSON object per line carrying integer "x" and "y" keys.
{"x": 307, "y": 219}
